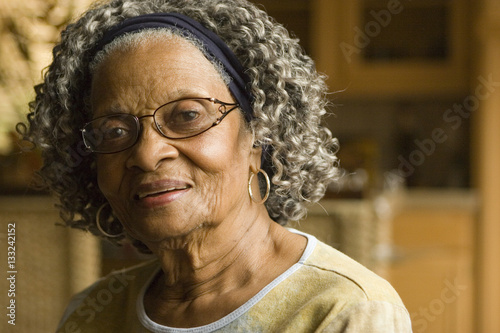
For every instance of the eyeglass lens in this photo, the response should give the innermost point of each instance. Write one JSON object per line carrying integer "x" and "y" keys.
{"x": 175, "y": 120}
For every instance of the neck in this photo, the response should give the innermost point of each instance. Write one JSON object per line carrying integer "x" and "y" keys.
{"x": 216, "y": 259}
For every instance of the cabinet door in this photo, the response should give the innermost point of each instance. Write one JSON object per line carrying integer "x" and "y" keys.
{"x": 433, "y": 271}
{"x": 374, "y": 48}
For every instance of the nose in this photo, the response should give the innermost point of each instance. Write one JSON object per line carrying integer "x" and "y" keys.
{"x": 151, "y": 148}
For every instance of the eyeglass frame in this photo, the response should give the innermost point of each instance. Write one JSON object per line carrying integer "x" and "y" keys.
{"x": 139, "y": 126}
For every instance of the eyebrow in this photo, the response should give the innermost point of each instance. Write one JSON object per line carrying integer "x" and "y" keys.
{"x": 109, "y": 111}
{"x": 176, "y": 95}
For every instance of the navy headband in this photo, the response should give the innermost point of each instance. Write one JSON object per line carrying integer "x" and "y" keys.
{"x": 213, "y": 44}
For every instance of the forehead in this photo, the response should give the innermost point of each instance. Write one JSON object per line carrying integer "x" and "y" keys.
{"x": 154, "y": 71}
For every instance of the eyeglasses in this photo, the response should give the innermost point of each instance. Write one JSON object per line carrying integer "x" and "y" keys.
{"x": 180, "y": 119}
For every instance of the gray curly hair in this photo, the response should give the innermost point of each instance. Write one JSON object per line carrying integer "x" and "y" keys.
{"x": 289, "y": 103}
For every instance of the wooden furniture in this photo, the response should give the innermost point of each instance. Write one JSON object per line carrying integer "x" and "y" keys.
{"x": 433, "y": 259}
{"x": 487, "y": 165}
{"x": 378, "y": 48}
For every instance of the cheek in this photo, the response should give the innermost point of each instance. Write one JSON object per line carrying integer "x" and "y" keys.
{"x": 209, "y": 198}
{"x": 108, "y": 175}
{"x": 222, "y": 173}
{"x": 109, "y": 179}
{"x": 227, "y": 148}
{"x": 226, "y": 160}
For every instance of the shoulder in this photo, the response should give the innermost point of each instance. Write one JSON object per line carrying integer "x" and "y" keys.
{"x": 353, "y": 298}
{"x": 323, "y": 264}
{"x": 342, "y": 269}
{"x": 370, "y": 316}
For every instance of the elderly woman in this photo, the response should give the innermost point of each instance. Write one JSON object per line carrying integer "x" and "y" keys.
{"x": 191, "y": 128}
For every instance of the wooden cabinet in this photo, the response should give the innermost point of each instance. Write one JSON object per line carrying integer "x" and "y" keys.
{"x": 486, "y": 165}
{"x": 394, "y": 48}
{"x": 432, "y": 267}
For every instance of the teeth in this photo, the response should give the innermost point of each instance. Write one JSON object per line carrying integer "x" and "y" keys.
{"x": 144, "y": 195}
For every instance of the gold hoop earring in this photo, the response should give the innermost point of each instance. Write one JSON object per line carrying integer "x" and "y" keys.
{"x": 98, "y": 222}
{"x": 268, "y": 187}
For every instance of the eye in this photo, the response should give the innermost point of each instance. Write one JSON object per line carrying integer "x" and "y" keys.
{"x": 185, "y": 116}
{"x": 114, "y": 127}
{"x": 113, "y": 133}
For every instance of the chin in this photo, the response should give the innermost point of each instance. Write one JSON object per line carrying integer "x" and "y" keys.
{"x": 162, "y": 235}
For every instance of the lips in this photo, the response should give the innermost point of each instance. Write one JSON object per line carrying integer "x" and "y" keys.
{"x": 160, "y": 192}
{"x": 140, "y": 196}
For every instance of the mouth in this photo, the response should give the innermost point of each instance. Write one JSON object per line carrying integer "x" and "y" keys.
{"x": 160, "y": 192}
{"x": 157, "y": 193}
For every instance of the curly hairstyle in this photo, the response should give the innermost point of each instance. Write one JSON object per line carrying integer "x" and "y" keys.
{"x": 289, "y": 103}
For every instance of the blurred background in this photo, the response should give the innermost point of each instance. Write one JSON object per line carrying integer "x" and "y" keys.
{"x": 415, "y": 92}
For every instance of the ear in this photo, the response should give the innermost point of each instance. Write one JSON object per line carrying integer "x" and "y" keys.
{"x": 254, "y": 152}
{"x": 255, "y": 158}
